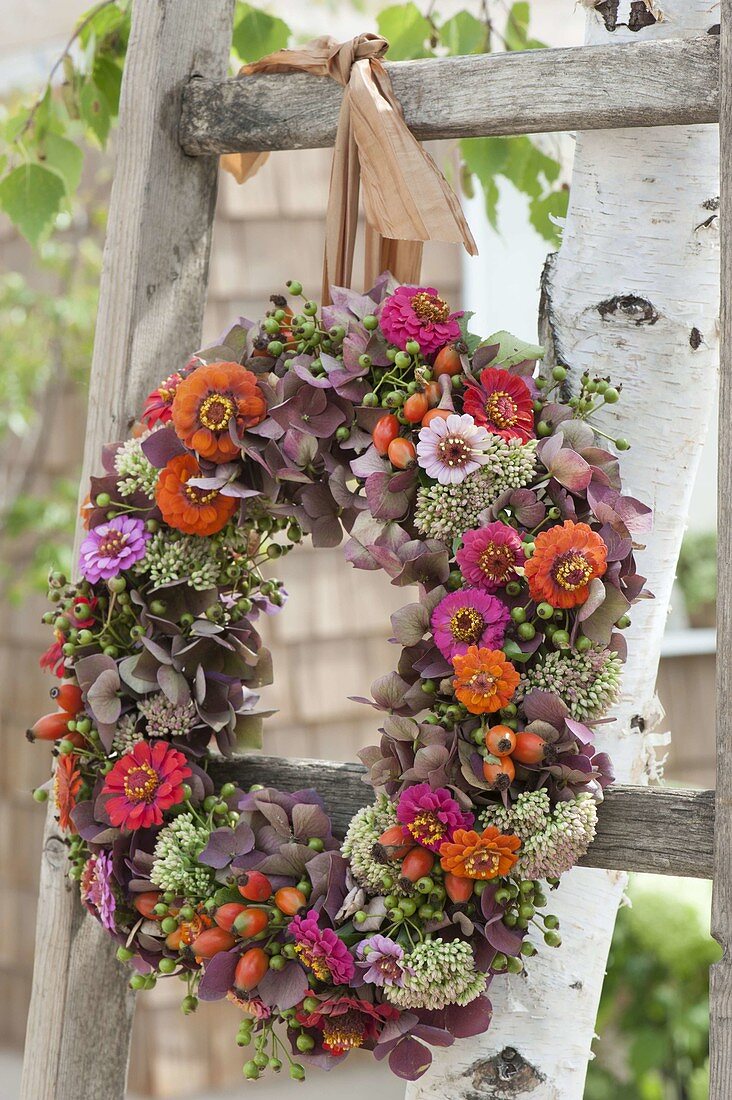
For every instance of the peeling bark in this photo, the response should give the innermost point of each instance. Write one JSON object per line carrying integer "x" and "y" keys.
{"x": 631, "y": 291}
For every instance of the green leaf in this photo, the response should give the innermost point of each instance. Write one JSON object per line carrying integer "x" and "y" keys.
{"x": 256, "y": 33}
{"x": 470, "y": 340}
{"x": 542, "y": 210}
{"x": 106, "y": 21}
{"x": 511, "y": 350}
{"x": 108, "y": 78}
{"x": 407, "y": 31}
{"x": 248, "y": 731}
{"x": 65, "y": 158}
{"x": 464, "y": 34}
{"x": 31, "y": 196}
{"x": 516, "y": 33}
{"x": 95, "y": 111}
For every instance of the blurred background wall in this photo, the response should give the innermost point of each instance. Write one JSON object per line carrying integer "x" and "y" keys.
{"x": 331, "y": 641}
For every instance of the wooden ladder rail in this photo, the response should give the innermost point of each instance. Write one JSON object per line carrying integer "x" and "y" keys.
{"x": 177, "y": 113}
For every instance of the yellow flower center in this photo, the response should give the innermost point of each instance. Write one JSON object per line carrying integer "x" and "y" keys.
{"x": 199, "y": 496}
{"x": 312, "y": 961}
{"x": 427, "y": 828}
{"x": 111, "y": 544}
{"x": 482, "y": 863}
{"x": 141, "y": 783}
{"x": 497, "y": 561}
{"x": 429, "y": 307}
{"x": 483, "y": 683}
{"x": 467, "y": 625}
{"x": 169, "y": 386}
{"x": 216, "y": 412}
{"x": 343, "y": 1032}
{"x": 572, "y": 571}
{"x": 501, "y": 409}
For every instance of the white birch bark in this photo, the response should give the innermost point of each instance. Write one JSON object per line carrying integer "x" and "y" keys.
{"x": 633, "y": 292}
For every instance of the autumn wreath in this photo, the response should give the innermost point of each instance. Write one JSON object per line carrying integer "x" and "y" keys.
{"x": 452, "y": 463}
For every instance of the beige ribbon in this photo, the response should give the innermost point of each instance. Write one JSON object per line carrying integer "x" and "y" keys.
{"x": 407, "y": 200}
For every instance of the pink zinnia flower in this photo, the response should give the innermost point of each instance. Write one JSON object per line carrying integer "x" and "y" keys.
{"x": 143, "y": 783}
{"x": 96, "y": 889}
{"x": 320, "y": 950}
{"x": 431, "y": 816}
{"x": 418, "y": 313}
{"x": 469, "y": 618}
{"x": 490, "y": 556}
{"x": 449, "y": 450}
{"x": 112, "y": 547}
{"x": 503, "y": 403}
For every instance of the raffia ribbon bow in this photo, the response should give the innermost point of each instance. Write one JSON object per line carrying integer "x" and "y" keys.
{"x": 407, "y": 200}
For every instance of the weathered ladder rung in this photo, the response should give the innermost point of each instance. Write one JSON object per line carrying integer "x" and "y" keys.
{"x": 661, "y": 83}
{"x": 655, "y": 829}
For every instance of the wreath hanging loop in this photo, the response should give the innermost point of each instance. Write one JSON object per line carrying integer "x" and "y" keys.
{"x": 407, "y": 199}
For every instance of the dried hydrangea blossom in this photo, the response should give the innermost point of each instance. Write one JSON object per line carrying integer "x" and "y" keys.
{"x": 552, "y": 840}
{"x": 175, "y": 860}
{"x": 589, "y": 683}
{"x": 446, "y": 511}
{"x": 439, "y": 974}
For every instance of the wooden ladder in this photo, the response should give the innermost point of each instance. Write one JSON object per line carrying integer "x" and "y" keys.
{"x": 177, "y": 114}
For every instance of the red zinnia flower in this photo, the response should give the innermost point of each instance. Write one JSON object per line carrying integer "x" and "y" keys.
{"x": 159, "y": 404}
{"x": 143, "y": 783}
{"x": 501, "y": 403}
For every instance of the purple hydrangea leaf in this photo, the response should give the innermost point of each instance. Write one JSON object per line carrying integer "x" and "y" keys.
{"x": 103, "y": 697}
{"x": 284, "y": 988}
{"x": 218, "y": 975}
{"x": 310, "y": 821}
{"x": 383, "y": 502}
{"x": 504, "y": 939}
{"x": 388, "y": 691}
{"x": 410, "y": 1059}
{"x": 290, "y": 860}
{"x": 594, "y": 599}
{"x": 578, "y": 435}
{"x": 87, "y": 669}
{"x": 161, "y": 446}
{"x": 465, "y": 1021}
{"x": 599, "y": 625}
{"x": 174, "y": 685}
{"x": 582, "y": 732}
{"x": 410, "y": 623}
{"x": 544, "y": 706}
{"x": 402, "y": 729}
{"x": 224, "y": 844}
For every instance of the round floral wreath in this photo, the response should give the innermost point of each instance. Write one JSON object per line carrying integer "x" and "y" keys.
{"x": 452, "y": 464}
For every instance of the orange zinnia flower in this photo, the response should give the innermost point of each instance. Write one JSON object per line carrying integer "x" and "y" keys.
{"x": 66, "y": 786}
{"x": 479, "y": 855}
{"x": 565, "y": 560}
{"x": 208, "y": 400}
{"x": 484, "y": 679}
{"x": 187, "y": 508}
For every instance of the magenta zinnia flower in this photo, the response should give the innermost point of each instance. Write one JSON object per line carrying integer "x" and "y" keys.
{"x": 382, "y": 960}
{"x": 469, "y": 617}
{"x": 112, "y": 547}
{"x": 431, "y": 816}
{"x": 450, "y": 449}
{"x": 320, "y": 950}
{"x": 143, "y": 783}
{"x": 489, "y": 556}
{"x": 96, "y": 890}
{"x": 418, "y": 313}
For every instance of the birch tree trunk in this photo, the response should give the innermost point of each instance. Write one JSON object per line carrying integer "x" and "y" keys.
{"x": 633, "y": 292}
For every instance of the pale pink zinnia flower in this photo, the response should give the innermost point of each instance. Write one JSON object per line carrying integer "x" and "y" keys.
{"x": 450, "y": 449}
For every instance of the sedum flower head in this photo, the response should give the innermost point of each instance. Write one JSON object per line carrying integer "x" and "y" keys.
{"x": 589, "y": 683}
{"x": 364, "y": 830}
{"x": 175, "y": 860}
{"x": 438, "y": 974}
{"x": 166, "y": 719}
{"x": 136, "y": 474}
{"x": 126, "y": 734}
{"x": 446, "y": 511}
{"x": 172, "y": 556}
{"x": 552, "y": 840}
